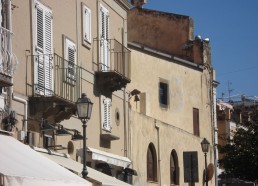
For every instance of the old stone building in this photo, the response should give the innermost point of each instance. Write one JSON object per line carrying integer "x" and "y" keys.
{"x": 172, "y": 102}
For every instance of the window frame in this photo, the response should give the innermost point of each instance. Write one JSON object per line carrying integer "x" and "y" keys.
{"x": 196, "y": 122}
{"x": 86, "y": 26}
{"x": 106, "y": 110}
{"x": 151, "y": 164}
{"x": 69, "y": 75}
{"x": 163, "y": 98}
{"x": 174, "y": 175}
{"x": 43, "y": 51}
{"x": 104, "y": 22}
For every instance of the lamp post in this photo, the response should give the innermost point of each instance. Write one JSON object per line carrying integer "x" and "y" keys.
{"x": 84, "y": 108}
{"x": 205, "y": 148}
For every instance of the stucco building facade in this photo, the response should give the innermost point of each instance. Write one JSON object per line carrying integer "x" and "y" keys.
{"x": 64, "y": 49}
{"x": 172, "y": 109}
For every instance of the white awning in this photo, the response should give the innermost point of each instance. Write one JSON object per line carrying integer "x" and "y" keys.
{"x": 93, "y": 175}
{"x": 20, "y": 165}
{"x": 107, "y": 157}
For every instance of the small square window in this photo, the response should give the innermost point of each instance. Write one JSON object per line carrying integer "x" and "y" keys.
{"x": 163, "y": 94}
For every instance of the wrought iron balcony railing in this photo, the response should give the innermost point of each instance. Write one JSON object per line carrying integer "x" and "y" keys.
{"x": 8, "y": 61}
{"x": 52, "y": 75}
{"x": 112, "y": 56}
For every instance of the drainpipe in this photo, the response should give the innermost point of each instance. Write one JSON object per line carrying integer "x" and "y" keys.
{"x": 9, "y": 27}
{"x": 124, "y": 92}
{"x": 25, "y": 116}
{"x": 159, "y": 160}
{"x": 215, "y": 84}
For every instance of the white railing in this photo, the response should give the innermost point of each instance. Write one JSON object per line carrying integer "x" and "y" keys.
{"x": 8, "y": 61}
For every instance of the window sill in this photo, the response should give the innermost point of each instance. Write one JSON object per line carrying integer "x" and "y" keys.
{"x": 86, "y": 44}
{"x": 154, "y": 182}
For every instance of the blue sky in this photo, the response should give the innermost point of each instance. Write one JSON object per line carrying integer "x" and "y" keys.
{"x": 232, "y": 28}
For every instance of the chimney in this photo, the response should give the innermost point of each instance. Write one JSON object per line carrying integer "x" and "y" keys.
{"x": 138, "y": 3}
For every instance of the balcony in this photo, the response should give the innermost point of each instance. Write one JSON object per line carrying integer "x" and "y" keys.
{"x": 52, "y": 87}
{"x": 112, "y": 65}
{"x": 8, "y": 60}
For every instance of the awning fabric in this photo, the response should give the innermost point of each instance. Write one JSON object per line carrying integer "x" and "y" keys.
{"x": 93, "y": 174}
{"x": 107, "y": 157}
{"x": 20, "y": 165}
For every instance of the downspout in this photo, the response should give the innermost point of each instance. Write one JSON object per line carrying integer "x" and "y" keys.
{"x": 159, "y": 160}
{"x": 215, "y": 84}
{"x": 25, "y": 102}
{"x": 124, "y": 104}
{"x": 9, "y": 27}
{"x": 213, "y": 121}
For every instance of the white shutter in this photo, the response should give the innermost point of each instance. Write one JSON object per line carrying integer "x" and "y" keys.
{"x": 43, "y": 63}
{"x": 86, "y": 24}
{"x": 106, "y": 114}
{"x": 1, "y": 13}
{"x": 48, "y": 51}
{"x": 70, "y": 56}
{"x": 104, "y": 44}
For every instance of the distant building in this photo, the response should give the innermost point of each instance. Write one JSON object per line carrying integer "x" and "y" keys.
{"x": 230, "y": 116}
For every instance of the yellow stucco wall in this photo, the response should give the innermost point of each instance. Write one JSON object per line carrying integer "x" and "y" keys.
{"x": 168, "y": 128}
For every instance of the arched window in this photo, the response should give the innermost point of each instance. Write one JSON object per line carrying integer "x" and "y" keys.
{"x": 174, "y": 169}
{"x": 151, "y": 163}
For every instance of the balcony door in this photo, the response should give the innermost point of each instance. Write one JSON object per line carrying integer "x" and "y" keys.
{"x": 104, "y": 43}
{"x": 43, "y": 61}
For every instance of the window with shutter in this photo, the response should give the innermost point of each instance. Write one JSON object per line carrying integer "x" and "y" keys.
{"x": 163, "y": 94}
{"x": 196, "y": 129}
{"x": 70, "y": 57}
{"x": 174, "y": 169}
{"x": 86, "y": 24}
{"x": 43, "y": 61}
{"x": 151, "y": 163}
{"x": 1, "y": 13}
{"x": 190, "y": 162}
{"x": 104, "y": 44}
{"x": 106, "y": 114}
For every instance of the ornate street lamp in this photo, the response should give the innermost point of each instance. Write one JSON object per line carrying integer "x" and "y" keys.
{"x": 84, "y": 108}
{"x": 205, "y": 148}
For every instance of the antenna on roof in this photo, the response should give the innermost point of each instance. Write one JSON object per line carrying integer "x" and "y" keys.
{"x": 229, "y": 91}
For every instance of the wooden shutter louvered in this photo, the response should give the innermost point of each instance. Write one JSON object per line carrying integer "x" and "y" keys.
{"x": 70, "y": 56}
{"x": 40, "y": 29}
{"x": 1, "y": 19}
{"x": 196, "y": 129}
{"x": 48, "y": 51}
{"x": 172, "y": 170}
{"x": 150, "y": 165}
{"x": 43, "y": 63}
{"x": 107, "y": 114}
{"x": 104, "y": 44}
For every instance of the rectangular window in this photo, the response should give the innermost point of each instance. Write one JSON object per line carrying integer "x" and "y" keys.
{"x": 70, "y": 60}
{"x": 196, "y": 130}
{"x": 104, "y": 43}
{"x": 106, "y": 113}
{"x": 163, "y": 94}
{"x": 190, "y": 167}
{"x": 43, "y": 61}
{"x": 86, "y": 25}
